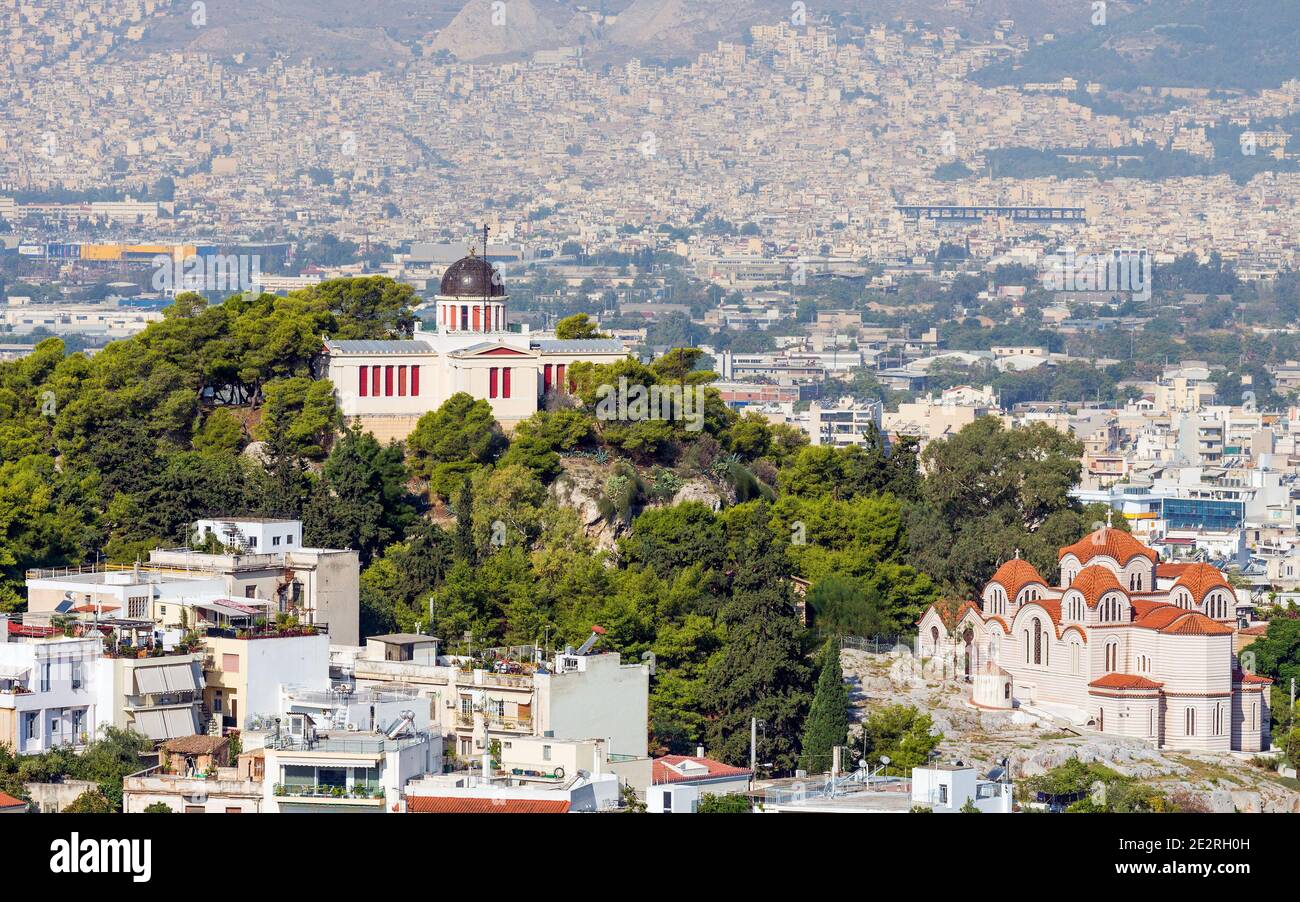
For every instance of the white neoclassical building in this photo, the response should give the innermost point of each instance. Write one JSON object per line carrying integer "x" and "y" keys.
{"x": 1124, "y": 644}
{"x": 387, "y": 385}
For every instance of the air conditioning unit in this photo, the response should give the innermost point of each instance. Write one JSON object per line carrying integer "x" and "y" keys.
{"x": 351, "y": 728}
{"x": 451, "y": 703}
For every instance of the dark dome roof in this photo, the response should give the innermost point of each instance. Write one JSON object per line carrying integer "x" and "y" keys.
{"x": 471, "y": 277}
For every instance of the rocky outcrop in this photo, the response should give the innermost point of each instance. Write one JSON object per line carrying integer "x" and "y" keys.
{"x": 484, "y": 29}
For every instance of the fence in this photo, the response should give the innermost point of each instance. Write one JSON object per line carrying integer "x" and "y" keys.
{"x": 879, "y": 645}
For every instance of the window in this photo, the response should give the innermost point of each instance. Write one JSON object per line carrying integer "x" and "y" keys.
{"x": 1189, "y": 722}
{"x": 250, "y": 591}
{"x": 363, "y": 380}
{"x": 415, "y": 382}
{"x": 388, "y": 381}
{"x": 1074, "y": 657}
{"x": 29, "y": 725}
{"x": 1038, "y": 643}
{"x": 546, "y": 377}
{"x": 464, "y": 316}
{"x": 137, "y": 608}
{"x": 45, "y": 677}
{"x": 230, "y": 663}
{"x": 492, "y": 382}
{"x": 943, "y": 793}
{"x": 1112, "y": 656}
{"x": 1218, "y": 720}
{"x": 275, "y": 540}
{"x": 1143, "y": 663}
{"x": 374, "y": 380}
{"x": 560, "y": 384}
{"x": 1151, "y": 721}
{"x": 76, "y": 674}
{"x": 505, "y": 381}
{"x": 668, "y": 801}
{"x": 546, "y": 753}
{"x": 401, "y": 381}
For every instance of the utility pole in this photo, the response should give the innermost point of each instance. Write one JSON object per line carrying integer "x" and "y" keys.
{"x": 753, "y": 739}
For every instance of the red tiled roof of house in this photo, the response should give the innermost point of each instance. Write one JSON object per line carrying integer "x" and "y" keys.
{"x": 1193, "y": 623}
{"x": 1201, "y": 578}
{"x": 8, "y": 801}
{"x": 1014, "y": 575}
{"x": 1166, "y": 570}
{"x": 1259, "y": 629}
{"x": 1114, "y": 543}
{"x": 662, "y": 772}
{"x": 460, "y": 805}
{"x": 1095, "y": 581}
{"x": 1124, "y": 681}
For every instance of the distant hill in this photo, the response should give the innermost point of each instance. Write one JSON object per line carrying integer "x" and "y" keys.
{"x": 1245, "y": 44}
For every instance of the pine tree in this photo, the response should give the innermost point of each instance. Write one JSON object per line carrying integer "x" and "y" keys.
{"x": 465, "y": 548}
{"x": 828, "y": 719}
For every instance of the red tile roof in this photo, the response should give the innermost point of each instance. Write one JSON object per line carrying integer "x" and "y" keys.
{"x": 661, "y": 772}
{"x": 1114, "y": 543}
{"x": 1095, "y": 581}
{"x": 1193, "y": 623}
{"x": 8, "y": 801}
{"x": 462, "y": 805}
{"x": 1124, "y": 681}
{"x": 1200, "y": 579}
{"x": 1169, "y": 570}
{"x": 1014, "y": 575}
{"x": 1259, "y": 629}
{"x": 1253, "y": 678}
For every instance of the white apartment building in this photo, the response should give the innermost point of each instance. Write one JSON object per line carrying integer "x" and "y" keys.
{"x": 572, "y": 696}
{"x": 48, "y": 696}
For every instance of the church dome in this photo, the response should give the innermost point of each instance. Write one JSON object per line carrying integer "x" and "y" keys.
{"x": 471, "y": 277}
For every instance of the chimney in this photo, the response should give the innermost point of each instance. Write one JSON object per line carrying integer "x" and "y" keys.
{"x": 699, "y": 751}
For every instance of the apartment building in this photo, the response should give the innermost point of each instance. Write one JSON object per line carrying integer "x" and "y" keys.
{"x": 48, "y": 696}
{"x": 572, "y": 696}
{"x": 244, "y": 670}
{"x": 159, "y": 696}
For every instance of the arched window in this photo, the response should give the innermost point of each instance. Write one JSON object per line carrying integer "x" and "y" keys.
{"x": 1143, "y": 663}
{"x": 1218, "y": 720}
{"x": 1038, "y": 643}
{"x": 934, "y": 637}
{"x": 1112, "y": 656}
{"x": 1074, "y": 658}
{"x": 1025, "y": 636}
{"x": 1189, "y": 722}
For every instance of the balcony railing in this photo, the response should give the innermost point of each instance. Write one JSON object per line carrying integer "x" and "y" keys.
{"x": 365, "y": 792}
{"x": 511, "y": 724}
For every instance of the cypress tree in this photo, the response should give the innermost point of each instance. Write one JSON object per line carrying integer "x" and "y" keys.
{"x": 828, "y": 719}
{"x": 465, "y": 549}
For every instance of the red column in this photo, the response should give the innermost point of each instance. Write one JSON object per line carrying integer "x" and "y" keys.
{"x": 546, "y": 378}
{"x": 492, "y": 382}
{"x": 374, "y": 381}
{"x": 559, "y": 378}
{"x": 388, "y": 381}
{"x": 476, "y": 317}
{"x": 505, "y": 381}
{"x": 363, "y": 381}
{"x": 415, "y": 382}
{"x": 401, "y": 382}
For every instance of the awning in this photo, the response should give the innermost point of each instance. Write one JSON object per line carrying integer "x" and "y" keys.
{"x": 165, "y": 678}
{"x": 151, "y": 724}
{"x": 166, "y": 723}
{"x": 13, "y": 672}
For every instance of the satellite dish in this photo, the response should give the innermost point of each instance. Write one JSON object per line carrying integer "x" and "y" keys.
{"x": 884, "y": 759}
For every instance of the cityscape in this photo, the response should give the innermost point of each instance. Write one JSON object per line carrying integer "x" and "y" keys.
{"x": 640, "y": 406}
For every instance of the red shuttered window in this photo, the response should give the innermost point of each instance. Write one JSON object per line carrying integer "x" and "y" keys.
{"x": 363, "y": 382}
{"x": 492, "y": 382}
{"x": 388, "y": 381}
{"x": 415, "y": 382}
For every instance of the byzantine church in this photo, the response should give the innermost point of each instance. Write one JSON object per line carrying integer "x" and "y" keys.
{"x": 1125, "y": 645}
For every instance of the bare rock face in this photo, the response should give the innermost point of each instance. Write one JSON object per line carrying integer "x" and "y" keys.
{"x": 701, "y": 491}
{"x": 580, "y": 491}
{"x": 257, "y": 451}
{"x": 483, "y": 29}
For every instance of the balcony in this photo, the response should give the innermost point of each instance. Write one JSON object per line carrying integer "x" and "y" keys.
{"x": 511, "y": 724}
{"x": 366, "y": 794}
